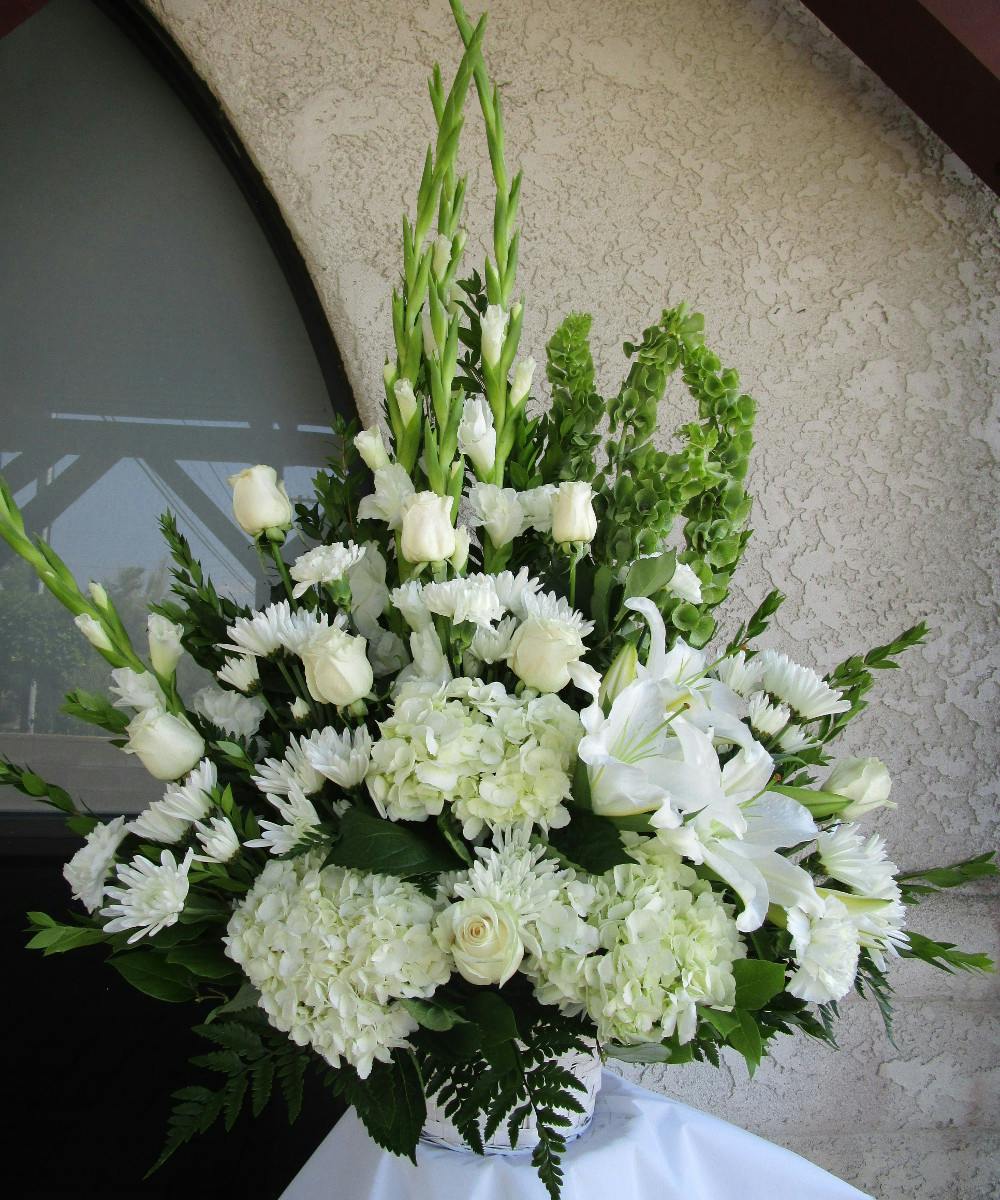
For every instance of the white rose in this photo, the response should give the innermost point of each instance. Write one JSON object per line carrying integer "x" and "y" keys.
{"x": 260, "y": 501}
{"x": 428, "y": 534}
{"x": 372, "y": 449}
{"x": 337, "y": 668}
{"x": 93, "y": 631}
{"x": 865, "y": 781}
{"x": 168, "y": 746}
{"x": 165, "y": 647}
{"x": 523, "y": 374}
{"x": 498, "y": 510}
{"x": 541, "y": 652}
{"x": 573, "y": 516}
{"x": 493, "y": 328}
{"x": 483, "y": 939}
{"x": 477, "y": 436}
{"x": 406, "y": 400}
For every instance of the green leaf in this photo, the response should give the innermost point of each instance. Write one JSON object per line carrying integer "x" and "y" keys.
{"x": 724, "y": 1022}
{"x": 945, "y": 955}
{"x": 590, "y": 841}
{"x": 233, "y": 1035}
{"x": 757, "y": 982}
{"x": 57, "y": 939}
{"x": 494, "y": 1017}
{"x": 368, "y": 843}
{"x": 150, "y": 972}
{"x": 916, "y": 884}
{"x": 747, "y": 1040}
{"x": 433, "y": 1015}
{"x": 820, "y": 804}
{"x": 646, "y": 1052}
{"x": 647, "y": 576}
{"x": 207, "y": 961}
{"x": 246, "y": 997}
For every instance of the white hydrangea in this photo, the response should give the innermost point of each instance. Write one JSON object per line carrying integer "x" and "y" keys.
{"x": 87, "y": 871}
{"x": 669, "y": 944}
{"x": 497, "y": 759}
{"x": 323, "y": 564}
{"x": 826, "y": 948}
{"x": 238, "y": 715}
{"x": 152, "y": 896}
{"x": 332, "y": 952}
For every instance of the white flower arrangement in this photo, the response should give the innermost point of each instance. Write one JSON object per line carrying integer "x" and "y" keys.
{"x": 476, "y": 785}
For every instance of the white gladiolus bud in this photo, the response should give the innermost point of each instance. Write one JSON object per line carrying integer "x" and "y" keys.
{"x": 337, "y": 668}
{"x": 168, "y": 746}
{"x": 93, "y": 631}
{"x": 573, "y": 516}
{"x": 431, "y": 347}
{"x": 541, "y": 652}
{"x": 372, "y": 449}
{"x": 864, "y": 781}
{"x": 406, "y": 400}
{"x": 98, "y": 594}
{"x": 428, "y": 534}
{"x": 477, "y": 436}
{"x": 442, "y": 256}
{"x": 461, "y": 554}
{"x": 483, "y": 939}
{"x": 619, "y": 675}
{"x": 165, "y": 647}
{"x": 523, "y": 374}
{"x": 493, "y": 327}
{"x": 260, "y": 501}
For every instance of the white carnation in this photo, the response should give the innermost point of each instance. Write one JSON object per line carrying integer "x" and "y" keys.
{"x": 826, "y": 949}
{"x": 239, "y": 716}
{"x": 87, "y": 870}
{"x": 393, "y": 487}
{"x": 473, "y": 598}
{"x": 323, "y": 564}
{"x": 137, "y": 689}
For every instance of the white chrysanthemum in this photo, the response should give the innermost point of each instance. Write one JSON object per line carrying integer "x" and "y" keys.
{"x": 240, "y": 672}
{"x": 497, "y": 759}
{"x": 739, "y": 674}
{"x": 87, "y": 870}
{"x": 332, "y": 952}
{"x": 669, "y": 944}
{"x": 685, "y": 584}
{"x": 300, "y": 821}
{"x": 766, "y": 718}
{"x": 137, "y": 689}
{"x": 826, "y": 949}
{"x": 339, "y": 755}
{"x": 549, "y": 906}
{"x": 306, "y": 627}
{"x": 548, "y": 606}
{"x": 323, "y": 564}
{"x": 473, "y": 598}
{"x": 393, "y": 487}
{"x": 152, "y": 897}
{"x": 261, "y": 634}
{"x": 794, "y": 738}
{"x": 800, "y": 687}
{"x": 408, "y": 599}
{"x": 850, "y": 857}
{"x": 490, "y": 645}
{"x": 238, "y": 715}
{"x": 218, "y": 840}
{"x": 280, "y": 776}
{"x": 514, "y": 591}
{"x": 537, "y": 506}
{"x": 190, "y": 799}
{"x": 158, "y": 825}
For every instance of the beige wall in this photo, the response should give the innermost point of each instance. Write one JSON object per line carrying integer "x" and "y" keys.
{"x": 736, "y": 155}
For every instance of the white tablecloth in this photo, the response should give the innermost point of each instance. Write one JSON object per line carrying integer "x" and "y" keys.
{"x": 640, "y": 1147}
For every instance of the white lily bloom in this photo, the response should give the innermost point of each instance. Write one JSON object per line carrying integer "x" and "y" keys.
{"x": 800, "y": 687}
{"x": 240, "y": 672}
{"x": 218, "y": 840}
{"x": 136, "y": 689}
{"x": 746, "y": 856}
{"x": 323, "y": 564}
{"x": 393, "y": 487}
{"x": 152, "y": 896}
{"x": 477, "y": 435}
{"x": 498, "y": 510}
{"x": 473, "y": 598}
{"x": 300, "y": 819}
{"x": 340, "y": 755}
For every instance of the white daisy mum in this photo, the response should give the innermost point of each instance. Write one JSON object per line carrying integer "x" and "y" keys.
{"x": 279, "y": 776}
{"x": 740, "y": 674}
{"x": 87, "y": 870}
{"x": 339, "y": 755}
{"x": 261, "y": 634}
{"x": 766, "y": 718}
{"x": 218, "y": 840}
{"x": 240, "y": 672}
{"x": 799, "y": 687}
{"x": 332, "y": 952}
{"x": 152, "y": 896}
{"x": 323, "y": 564}
{"x": 515, "y": 591}
{"x": 191, "y": 799}
{"x": 300, "y": 820}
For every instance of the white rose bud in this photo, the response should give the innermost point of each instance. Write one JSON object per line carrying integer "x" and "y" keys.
{"x": 461, "y": 554}
{"x": 573, "y": 516}
{"x": 337, "y": 668}
{"x": 523, "y": 374}
{"x": 93, "y": 631}
{"x": 260, "y": 501}
{"x": 165, "y": 647}
{"x": 477, "y": 435}
{"x": 428, "y": 534}
{"x": 406, "y": 400}
{"x": 483, "y": 939}
{"x": 865, "y": 781}
{"x": 372, "y": 449}
{"x": 168, "y": 746}
{"x": 493, "y": 328}
{"x": 541, "y": 652}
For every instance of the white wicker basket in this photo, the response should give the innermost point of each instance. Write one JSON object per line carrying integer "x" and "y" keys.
{"x": 439, "y": 1130}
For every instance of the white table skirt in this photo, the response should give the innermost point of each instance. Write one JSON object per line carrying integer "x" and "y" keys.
{"x": 641, "y": 1146}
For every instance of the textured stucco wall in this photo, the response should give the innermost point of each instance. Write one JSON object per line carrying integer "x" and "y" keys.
{"x": 734, "y": 154}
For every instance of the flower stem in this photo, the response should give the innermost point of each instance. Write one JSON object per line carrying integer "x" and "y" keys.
{"x": 282, "y": 566}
